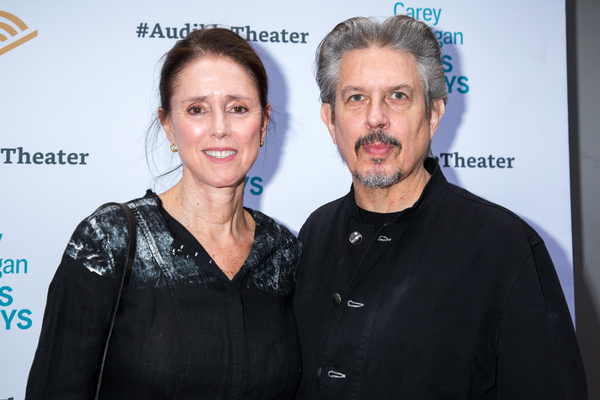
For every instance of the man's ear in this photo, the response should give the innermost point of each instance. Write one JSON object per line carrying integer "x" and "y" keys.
{"x": 165, "y": 121}
{"x": 437, "y": 111}
{"x": 326, "y": 117}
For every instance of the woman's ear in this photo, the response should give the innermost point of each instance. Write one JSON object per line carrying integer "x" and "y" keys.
{"x": 265, "y": 121}
{"x": 165, "y": 121}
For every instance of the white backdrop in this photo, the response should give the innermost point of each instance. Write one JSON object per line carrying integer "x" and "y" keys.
{"x": 78, "y": 86}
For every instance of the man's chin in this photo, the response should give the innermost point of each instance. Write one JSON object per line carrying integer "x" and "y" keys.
{"x": 378, "y": 179}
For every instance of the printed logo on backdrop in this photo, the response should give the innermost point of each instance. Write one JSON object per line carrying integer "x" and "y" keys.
{"x": 254, "y": 185}
{"x": 20, "y": 156}
{"x": 455, "y": 160}
{"x": 432, "y": 17}
{"x": 457, "y": 84}
{"x": 13, "y": 32}
{"x": 12, "y": 317}
{"x": 248, "y": 32}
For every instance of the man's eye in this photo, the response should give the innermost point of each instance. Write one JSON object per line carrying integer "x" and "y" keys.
{"x": 398, "y": 96}
{"x": 356, "y": 97}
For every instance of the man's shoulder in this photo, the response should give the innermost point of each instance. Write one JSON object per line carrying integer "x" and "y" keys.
{"x": 472, "y": 201}
{"x": 328, "y": 210}
{"x": 324, "y": 215}
{"x": 492, "y": 215}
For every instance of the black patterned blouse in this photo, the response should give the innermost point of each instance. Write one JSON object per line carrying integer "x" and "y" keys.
{"x": 186, "y": 330}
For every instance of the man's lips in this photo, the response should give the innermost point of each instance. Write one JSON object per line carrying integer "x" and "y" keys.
{"x": 377, "y": 142}
{"x": 377, "y": 149}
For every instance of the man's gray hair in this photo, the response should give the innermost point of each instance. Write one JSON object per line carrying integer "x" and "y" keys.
{"x": 399, "y": 32}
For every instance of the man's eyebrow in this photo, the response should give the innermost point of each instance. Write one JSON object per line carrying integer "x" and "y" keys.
{"x": 350, "y": 89}
{"x": 403, "y": 87}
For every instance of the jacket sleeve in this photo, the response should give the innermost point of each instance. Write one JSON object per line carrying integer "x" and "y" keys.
{"x": 538, "y": 354}
{"x": 81, "y": 299}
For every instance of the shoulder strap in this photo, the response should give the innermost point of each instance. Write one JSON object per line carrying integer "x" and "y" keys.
{"x": 129, "y": 257}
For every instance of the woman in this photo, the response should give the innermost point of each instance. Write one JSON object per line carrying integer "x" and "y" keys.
{"x": 207, "y": 313}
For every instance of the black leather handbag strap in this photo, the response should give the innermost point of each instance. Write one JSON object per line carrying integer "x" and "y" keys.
{"x": 129, "y": 257}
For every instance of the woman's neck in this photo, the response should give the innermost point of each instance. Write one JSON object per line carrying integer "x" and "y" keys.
{"x": 216, "y": 212}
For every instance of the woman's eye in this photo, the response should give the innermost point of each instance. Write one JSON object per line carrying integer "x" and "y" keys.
{"x": 195, "y": 110}
{"x": 239, "y": 109}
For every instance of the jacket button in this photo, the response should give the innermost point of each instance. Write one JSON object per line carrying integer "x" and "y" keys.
{"x": 355, "y": 238}
{"x": 319, "y": 373}
{"x": 337, "y": 299}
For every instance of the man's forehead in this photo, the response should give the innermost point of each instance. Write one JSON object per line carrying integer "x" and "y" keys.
{"x": 384, "y": 68}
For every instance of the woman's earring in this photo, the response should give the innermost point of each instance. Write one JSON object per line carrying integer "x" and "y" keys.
{"x": 173, "y": 148}
{"x": 262, "y": 143}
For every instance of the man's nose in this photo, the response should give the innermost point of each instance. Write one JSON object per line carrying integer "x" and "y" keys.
{"x": 377, "y": 117}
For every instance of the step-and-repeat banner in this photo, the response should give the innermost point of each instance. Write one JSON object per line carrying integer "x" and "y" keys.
{"x": 78, "y": 91}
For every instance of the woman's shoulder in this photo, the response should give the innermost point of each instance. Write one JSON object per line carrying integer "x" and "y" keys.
{"x": 271, "y": 237}
{"x": 111, "y": 213}
{"x": 277, "y": 251}
{"x": 100, "y": 240}
{"x": 267, "y": 225}
{"x": 106, "y": 229}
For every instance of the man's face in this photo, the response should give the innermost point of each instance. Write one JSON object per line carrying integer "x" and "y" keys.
{"x": 380, "y": 123}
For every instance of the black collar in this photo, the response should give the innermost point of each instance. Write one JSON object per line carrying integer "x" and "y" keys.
{"x": 434, "y": 187}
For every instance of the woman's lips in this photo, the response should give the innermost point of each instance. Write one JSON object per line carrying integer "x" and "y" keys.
{"x": 219, "y": 154}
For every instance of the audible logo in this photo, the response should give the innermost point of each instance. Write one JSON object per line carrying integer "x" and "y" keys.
{"x": 13, "y": 32}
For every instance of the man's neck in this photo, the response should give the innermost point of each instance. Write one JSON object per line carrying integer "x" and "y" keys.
{"x": 400, "y": 196}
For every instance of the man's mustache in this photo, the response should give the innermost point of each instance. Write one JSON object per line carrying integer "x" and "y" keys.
{"x": 377, "y": 136}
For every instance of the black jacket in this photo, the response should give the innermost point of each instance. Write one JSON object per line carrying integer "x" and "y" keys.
{"x": 456, "y": 298}
{"x": 186, "y": 331}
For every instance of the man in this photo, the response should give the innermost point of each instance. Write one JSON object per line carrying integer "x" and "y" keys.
{"x": 410, "y": 287}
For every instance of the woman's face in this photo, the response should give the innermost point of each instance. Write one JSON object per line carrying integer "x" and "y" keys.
{"x": 216, "y": 122}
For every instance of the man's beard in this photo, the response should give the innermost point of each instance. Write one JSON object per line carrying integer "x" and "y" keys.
{"x": 377, "y": 180}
